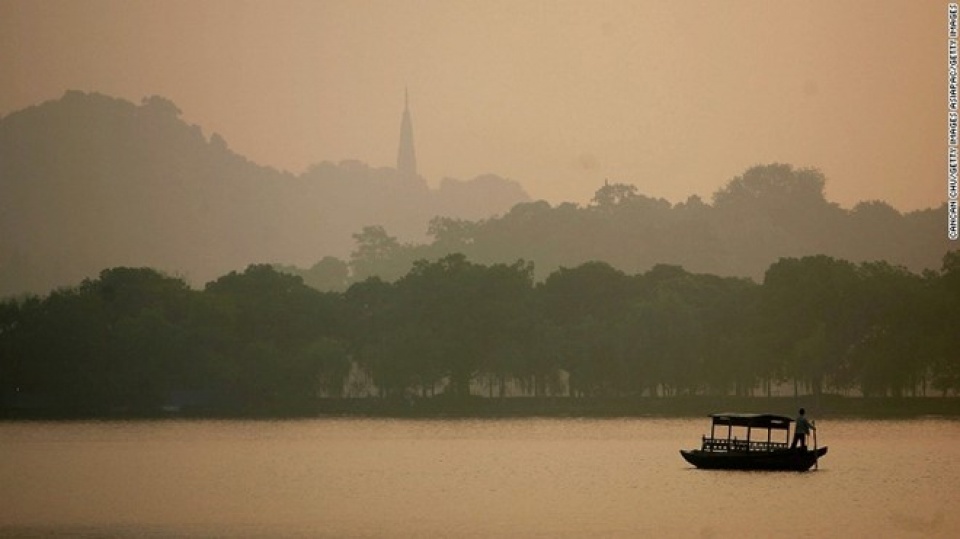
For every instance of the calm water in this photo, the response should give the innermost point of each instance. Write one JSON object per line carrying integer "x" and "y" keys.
{"x": 465, "y": 478}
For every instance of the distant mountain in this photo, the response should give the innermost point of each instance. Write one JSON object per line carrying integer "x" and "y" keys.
{"x": 89, "y": 182}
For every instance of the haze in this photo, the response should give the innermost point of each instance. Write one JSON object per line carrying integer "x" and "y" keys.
{"x": 675, "y": 98}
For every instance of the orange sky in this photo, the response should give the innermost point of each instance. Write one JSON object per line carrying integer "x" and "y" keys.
{"x": 673, "y": 97}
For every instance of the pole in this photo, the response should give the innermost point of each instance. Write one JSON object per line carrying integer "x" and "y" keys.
{"x": 816, "y": 457}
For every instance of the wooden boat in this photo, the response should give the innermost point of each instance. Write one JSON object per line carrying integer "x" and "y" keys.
{"x": 745, "y": 447}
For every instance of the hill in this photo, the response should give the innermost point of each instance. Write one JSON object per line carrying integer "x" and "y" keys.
{"x": 90, "y": 181}
{"x": 769, "y": 212}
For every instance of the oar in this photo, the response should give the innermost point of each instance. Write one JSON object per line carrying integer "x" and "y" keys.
{"x": 816, "y": 457}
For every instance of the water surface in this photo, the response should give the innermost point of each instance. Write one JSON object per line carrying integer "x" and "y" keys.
{"x": 465, "y": 478}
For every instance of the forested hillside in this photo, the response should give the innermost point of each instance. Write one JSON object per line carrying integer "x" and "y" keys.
{"x": 89, "y": 182}
{"x": 768, "y": 212}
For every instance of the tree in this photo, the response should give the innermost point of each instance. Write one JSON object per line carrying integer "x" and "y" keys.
{"x": 811, "y": 309}
{"x": 450, "y": 233}
{"x": 378, "y": 254}
{"x": 611, "y": 195}
{"x": 143, "y": 351}
{"x": 330, "y": 274}
{"x": 273, "y": 323}
{"x": 871, "y": 227}
{"x": 945, "y": 339}
{"x": 116, "y": 342}
{"x": 583, "y": 303}
{"x": 772, "y": 211}
{"x": 469, "y": 310}
{"x": 893, "y": 351}
{"x": 775, "y": 185}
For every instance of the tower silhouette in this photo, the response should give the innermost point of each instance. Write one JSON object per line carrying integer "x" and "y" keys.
{"x": 406, "y": 156}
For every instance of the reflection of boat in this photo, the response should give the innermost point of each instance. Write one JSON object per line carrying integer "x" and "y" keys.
{"x": 743, "y": 448}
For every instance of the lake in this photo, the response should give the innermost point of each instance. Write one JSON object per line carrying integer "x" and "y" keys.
{"x": 464, "y": 478}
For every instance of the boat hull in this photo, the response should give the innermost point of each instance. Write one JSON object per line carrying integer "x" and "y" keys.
{"x": 797, "y": 460}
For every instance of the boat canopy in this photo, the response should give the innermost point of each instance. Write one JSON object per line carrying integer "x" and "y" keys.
{"x": 753, "y": 421}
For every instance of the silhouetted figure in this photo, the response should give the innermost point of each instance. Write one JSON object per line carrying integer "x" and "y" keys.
{"x": 801, "y": 431}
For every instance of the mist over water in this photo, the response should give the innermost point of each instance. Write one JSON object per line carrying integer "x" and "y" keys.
{"x": 464, "y": 478}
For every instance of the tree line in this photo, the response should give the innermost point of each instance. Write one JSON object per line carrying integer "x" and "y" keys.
{"x": 769, "y": 212}
{"x": 261, "y": 340}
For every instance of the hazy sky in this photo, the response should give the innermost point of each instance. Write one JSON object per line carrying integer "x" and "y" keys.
{"x": 673, "y": 97}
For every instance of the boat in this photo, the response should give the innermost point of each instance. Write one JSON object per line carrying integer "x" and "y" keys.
{"x": 742, "y": 445}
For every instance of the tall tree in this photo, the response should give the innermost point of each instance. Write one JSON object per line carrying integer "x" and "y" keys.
{"x": 810, "y": 306}
{"x": 274, "y": 321}
{"x": 470, "y": 310}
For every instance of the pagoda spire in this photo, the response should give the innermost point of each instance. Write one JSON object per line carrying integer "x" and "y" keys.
{"x": 406, "y": 156}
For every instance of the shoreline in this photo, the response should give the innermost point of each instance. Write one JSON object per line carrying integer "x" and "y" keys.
{"x": 822, "y": 407}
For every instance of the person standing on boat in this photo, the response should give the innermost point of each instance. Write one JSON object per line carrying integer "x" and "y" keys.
{"x": 802, "y": 429}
